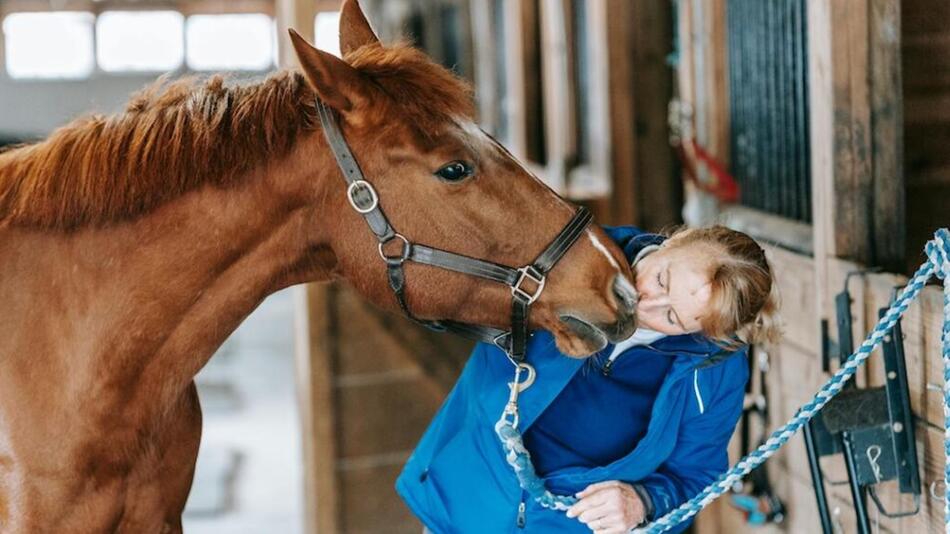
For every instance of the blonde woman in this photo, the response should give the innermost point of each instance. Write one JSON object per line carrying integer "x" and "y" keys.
{"x": 633, "y": 431}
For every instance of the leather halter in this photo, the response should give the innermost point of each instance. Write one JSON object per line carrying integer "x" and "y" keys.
{"x": 526, "y": 283}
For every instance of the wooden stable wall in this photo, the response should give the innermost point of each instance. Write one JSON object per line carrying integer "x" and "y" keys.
{"x": 858, "y": 159}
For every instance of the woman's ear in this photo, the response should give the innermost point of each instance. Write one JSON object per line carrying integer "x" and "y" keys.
{"x": 337, "y": 83}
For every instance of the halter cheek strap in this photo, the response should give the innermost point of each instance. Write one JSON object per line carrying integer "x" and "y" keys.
{"x": 526, "y": 283}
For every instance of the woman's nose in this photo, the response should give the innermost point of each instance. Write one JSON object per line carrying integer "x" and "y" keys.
{"x": 650, "y": 301}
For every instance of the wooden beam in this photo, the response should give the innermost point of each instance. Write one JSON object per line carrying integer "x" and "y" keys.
{"x": 484, "y": 54}
{"x": 769, "y": 228}
{"x": 314, "y": 354}
{"x": 559, "y": 106}
{"x": 659, "y": 191}
{"x": 296, "y": 14}
{"x": 852, "y": 142}
{"x": 620, "y": 25}
{"x": 821, "y": 99}
{"x": 889, "y": 234}
{"x": 592, "y": 179}
{"x": 314, "y": 342}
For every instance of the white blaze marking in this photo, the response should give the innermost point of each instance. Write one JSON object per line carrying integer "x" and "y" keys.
{"x": 600, "y": 246}
{"x": 475, "y": 133}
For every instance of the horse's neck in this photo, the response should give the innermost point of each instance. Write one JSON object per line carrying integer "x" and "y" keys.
{"x": 145, "y": 304}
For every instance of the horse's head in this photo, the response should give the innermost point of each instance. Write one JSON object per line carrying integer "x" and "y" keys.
{"x": 444, "y": 183}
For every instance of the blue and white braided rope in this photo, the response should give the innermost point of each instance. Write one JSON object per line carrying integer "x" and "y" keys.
{"x": 519, "y": 459}
{"x": 938, "y": 253}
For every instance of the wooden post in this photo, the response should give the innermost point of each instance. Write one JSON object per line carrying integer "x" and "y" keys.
{"x": 888, "y": 244}
{"x": 620, "y": 24}
{"x": 559, "y": 108}
{"x": 314, "y": 370}
{"x": 658, "y": 192}
{"x": 313, "y": 332}
{"x": 822, "y": 125}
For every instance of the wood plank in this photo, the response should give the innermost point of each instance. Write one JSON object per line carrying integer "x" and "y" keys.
{"x": 383, "y": 417}
{"x": 298, "y": 15}
{"x": 924, "y": 17}
{"x": 853, "y": 179}
{"x": 591, "y": 179}
{"x": 623, "y": 205}
{"x": 887, "y": 137}
{"x": 369, "y": 502}
{"x": 315, "y": 346}
{"x": 517, "y": 46}
{"x": 559, "y": 107}
{"x": 717, "y": 85}
{"x": 439, "y": 357}
{"x": 793, "y": 379}
{"x": 484, "y": 56}
{"x": 932, "y": 462}
{"x": 821, "y": 139}
{"x": 771, "y": 229}
{"x": 659, "y": 195}
{"x": 795, "y": 274}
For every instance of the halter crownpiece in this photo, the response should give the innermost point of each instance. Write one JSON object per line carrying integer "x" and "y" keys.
{"x": 526, "y": 283}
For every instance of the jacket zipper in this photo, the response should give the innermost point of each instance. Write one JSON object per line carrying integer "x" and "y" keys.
{"x": 522, "y": 519}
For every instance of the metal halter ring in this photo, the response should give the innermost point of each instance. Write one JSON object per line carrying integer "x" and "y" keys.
{"x": 404, "y": 254}
{"x": 355, "y": 189}
{"x": 529, "y": 273}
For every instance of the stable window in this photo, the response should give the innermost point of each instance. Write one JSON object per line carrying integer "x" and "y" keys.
{"x": 230, "y": 42}
{"x": 151, "y": 41}
{"x": 49, "y": 45}
{"x": 768, "y": 103}
{"x": 326, "y": 31}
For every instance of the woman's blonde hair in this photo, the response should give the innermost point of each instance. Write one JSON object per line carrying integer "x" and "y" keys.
{"x": 743, "y": 300}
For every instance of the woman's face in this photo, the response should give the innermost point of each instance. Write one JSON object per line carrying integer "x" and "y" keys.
{"x": 674, "y": 289}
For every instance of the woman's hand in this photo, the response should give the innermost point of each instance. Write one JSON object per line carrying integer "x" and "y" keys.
{"x": 611, "y": 507}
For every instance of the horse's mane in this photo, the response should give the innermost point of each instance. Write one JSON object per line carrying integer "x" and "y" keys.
{"x": 176, "y": 136}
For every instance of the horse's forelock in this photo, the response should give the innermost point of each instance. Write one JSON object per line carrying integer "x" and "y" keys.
{"x": 424, "y": 92}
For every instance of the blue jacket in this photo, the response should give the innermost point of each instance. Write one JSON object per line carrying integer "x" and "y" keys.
{"x": 457, "y": 479}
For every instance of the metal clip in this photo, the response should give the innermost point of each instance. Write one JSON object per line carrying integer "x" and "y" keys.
{"x": 517, "y": 386}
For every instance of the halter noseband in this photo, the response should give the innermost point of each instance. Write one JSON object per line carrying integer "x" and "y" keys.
{"x": 526, "y": 283}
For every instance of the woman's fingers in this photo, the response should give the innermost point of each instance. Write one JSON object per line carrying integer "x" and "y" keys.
{"x": 598, "y": 486}
{"x": 598, "y": 512}
{"x": 608, "y": 506}
{"x": 608, "y": 523}
{"x": 585, "y": 504}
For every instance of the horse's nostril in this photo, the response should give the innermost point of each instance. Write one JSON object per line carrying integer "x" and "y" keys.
{"x": 625, "y": 294}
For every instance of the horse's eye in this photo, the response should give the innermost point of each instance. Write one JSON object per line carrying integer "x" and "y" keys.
{"x": 455, "y": 171}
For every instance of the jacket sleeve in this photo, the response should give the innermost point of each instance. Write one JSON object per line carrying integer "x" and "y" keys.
{"x": 700, "y": 454}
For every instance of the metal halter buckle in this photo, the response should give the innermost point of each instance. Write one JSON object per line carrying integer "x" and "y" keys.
{"x": 359, "y": 204}
{"x": 403, "y": 255}
{"x": 532, "y": 274}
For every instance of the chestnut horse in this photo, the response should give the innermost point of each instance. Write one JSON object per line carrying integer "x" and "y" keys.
{"x": 132, "y": 245}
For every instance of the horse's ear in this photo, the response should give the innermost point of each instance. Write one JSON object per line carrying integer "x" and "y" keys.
{"x": 355, "y": 30}
{"x": 336, "y": 82}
